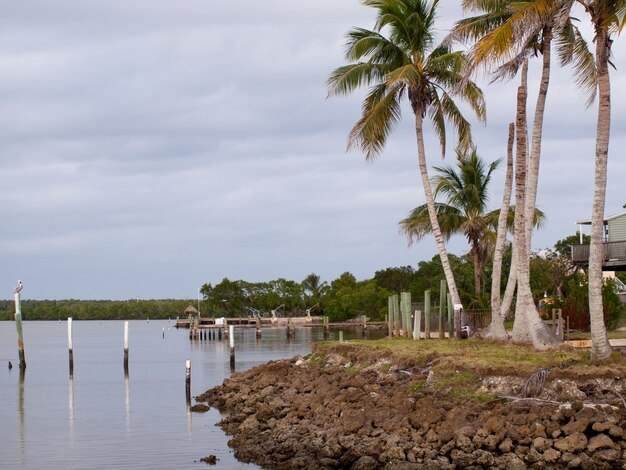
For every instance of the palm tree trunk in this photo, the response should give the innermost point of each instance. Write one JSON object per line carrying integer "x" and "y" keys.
{"x": 436, "y": 230}
{"x": 477, "y": 268}
{"x": 496, "y": 329}
{"x": 540, "y": 334}
{"x": 535, "y": 146}
{"x": 527, "y": 319}
{"x": 600, "y": 347}
{"x": 520, "y": 326}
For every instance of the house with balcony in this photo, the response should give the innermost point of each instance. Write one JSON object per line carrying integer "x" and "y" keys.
{"x": 613, "y": 242}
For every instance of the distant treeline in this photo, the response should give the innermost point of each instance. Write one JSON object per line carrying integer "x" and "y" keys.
{"x": 95, "y": 309}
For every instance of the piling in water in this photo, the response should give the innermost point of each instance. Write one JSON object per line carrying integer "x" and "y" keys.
{"x": 231, "y": 340}
{"x": 258, "y": 327}
{"x": 188, "y": 381}
{"x": 70, "y": 345}
{"x": 20, "y": 333}
{"x": 341, "y": 336}
{"x": 126, "y": 347}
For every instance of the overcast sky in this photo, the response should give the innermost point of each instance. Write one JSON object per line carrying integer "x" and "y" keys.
{"x": 148, "y": 147}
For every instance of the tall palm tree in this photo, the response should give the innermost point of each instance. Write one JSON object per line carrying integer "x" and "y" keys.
{"x": 465, "y": 209}
{"x": 607, "y": 17}
{"x": 406, "y": 63}
{"x": 496, "y": 328}
{"x": 506, "y": 34}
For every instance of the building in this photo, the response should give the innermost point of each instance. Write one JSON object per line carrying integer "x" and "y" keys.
{"x": 613, "y": 241}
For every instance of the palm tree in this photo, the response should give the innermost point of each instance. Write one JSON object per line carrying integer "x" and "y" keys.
{"x": 405, "y": 63}
{"x": 313, "y": 285}
{"x": 607, "y": 16}
{"x": 496, "y": 328}
{"x": 506, "y": 34}
{"x": 465, "y": 210}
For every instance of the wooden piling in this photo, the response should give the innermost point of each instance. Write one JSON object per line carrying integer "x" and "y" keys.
{"x": 405, "y": 307}
{"x": 450, "y": 317}
{"x": 427, "y": 314}
{"x": 70, "y": 345}
{"x": 258, "y": 327}
{"x": 417, "y": 325}
{"x": 231, "y": 339}
{"x": 390, "y": 317}
{"x": 291, "y": 331}
{"x": 20, "y": 332}
{"x": 396, "y": 315}
{"x": 188, "y": 381}
{"x": 341, "y": 336}
{"x": 326, "y": 327}
{"x": 442, "y": 308}
{"x": 126, "y": 346}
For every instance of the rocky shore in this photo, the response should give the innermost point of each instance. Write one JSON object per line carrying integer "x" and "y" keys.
{"x": 344, "y": 407}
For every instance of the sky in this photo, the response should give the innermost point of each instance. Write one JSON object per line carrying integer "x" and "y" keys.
{"x": 149, "y": 147}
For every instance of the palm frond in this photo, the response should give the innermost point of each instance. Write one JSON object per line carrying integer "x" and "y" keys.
{"x": 346, "y": 79}
{"x": 380, "y": 113}
{"x": 572, "y": 49}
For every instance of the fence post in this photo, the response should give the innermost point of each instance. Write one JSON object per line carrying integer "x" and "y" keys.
{"x": 427, "y": 314}
{"x": 554, "y": 320}
{"x": 450, "y": 317}
{"x": 396, "y": 314}
{"x": 405, "y": 304}
{"x": 417, "y": 325}
{"x": 442, "y": 307}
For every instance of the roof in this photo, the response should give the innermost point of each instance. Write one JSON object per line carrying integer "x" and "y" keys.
{"x": 191, "y": 309}
{"x": 606, "y": 219}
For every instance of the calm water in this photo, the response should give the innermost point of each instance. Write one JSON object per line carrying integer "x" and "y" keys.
{"x": 100, "y": 419}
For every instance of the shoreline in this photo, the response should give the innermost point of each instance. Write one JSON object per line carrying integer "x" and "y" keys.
{"x": 353, "y": 406}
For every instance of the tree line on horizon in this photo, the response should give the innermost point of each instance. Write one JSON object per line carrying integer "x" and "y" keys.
{"x": 400, "y": 59}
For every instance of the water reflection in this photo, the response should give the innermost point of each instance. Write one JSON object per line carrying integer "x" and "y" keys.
{"x": 127, "y": 401}
{"x": 21, "y": 432}
{"x": 71, "y": 406}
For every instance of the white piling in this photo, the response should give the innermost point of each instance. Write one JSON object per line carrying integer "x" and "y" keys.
{"x": 231, "y": 339}
{"x": 126, "y": 346}
{"x": 70, "y": 345}
{"x": 188, "y": 381}
{"x": 417, "y": 325}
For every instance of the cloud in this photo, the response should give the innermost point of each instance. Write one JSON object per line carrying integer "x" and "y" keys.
{"x": 149, "y": 147}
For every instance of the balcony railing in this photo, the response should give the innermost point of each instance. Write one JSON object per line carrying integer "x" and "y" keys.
{"x": 613, "y": 251}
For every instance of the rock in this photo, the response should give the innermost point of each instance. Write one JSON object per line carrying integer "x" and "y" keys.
{"x": 541, "y": 444}
{"x": 209, "y": 459}
{"x": 572, "y": 443}
{"x": 601, "y": 441}
{"x": 351, "y": 420}
{"x": 616, "y": 431}
{"x": 511, "y": 461}
{"x": 551, "y": 455}
{"x": 575, "y": 426}
{"x": 601, "y": 427}
{"x": 607, "y": 455}
{"x": 365, "y": 463}
{"x": 199, "y": 408}
{"x": 506, "y": 446}
{"x": 483, "y": 458}
{"x": 464, "y": 443}
{"x": 250, "y": 424}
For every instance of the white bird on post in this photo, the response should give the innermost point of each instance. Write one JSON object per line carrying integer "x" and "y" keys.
{"x": 19, "y": 287}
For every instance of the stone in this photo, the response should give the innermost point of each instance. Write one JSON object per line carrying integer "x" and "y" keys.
{"x": 541, "y": 444}
{"x": 506, "y": 446}
{"x": 465, "y": 444}
{"x": 365, "y": 463}
{"x": 572, "y": 443}
{"x": 616, "y": 431}
{"x": 601, "y": 427}
{"x": 575, "y": 426}
{"x": 199, "y": 408}
{"x": 551, "y": 455}
{"x": 209, "y": 459}
{"x": 601, "y": 441}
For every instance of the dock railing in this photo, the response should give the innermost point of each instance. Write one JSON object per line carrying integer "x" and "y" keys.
{"x": 613, "y": 251}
